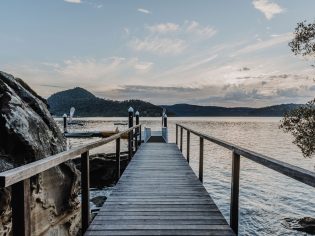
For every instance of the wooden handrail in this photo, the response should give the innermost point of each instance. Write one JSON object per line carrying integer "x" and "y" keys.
{"x": 10, "y": 177}
{"x": 19, "y": 179}
{"x": 297, "y": 173}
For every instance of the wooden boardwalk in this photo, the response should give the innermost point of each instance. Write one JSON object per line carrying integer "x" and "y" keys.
{"x": 159, "y": 194}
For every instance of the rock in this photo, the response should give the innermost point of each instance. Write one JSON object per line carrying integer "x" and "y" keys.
{"x": 29, "y": 133}
{"x": 305, "y": 224}
{"x": 103, "y": 169}
{"x": 99, "y": 200}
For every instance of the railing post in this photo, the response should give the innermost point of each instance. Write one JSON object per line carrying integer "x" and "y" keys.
{"x": 85, "y": 191}
{"x": 65, "y": 123}
{"x": 181, "y": 139}
{"x": 234, "y": 207}
{"x": 176, "y": 134}
{"x": 118, "y": 158}
{"x": 188, "y": 145}
{"x": 140, "y": 135}
{"x": 130, "y": 134}
{"x": 21, "y": 210}
{"x": 165, "y": 120}
{"x": 201, "y": 159}
{"x": 137, "y": 130}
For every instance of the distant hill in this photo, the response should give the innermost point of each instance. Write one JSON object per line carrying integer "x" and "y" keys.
{"x": 194, "y": 110}
{"x": 88, "y": 105}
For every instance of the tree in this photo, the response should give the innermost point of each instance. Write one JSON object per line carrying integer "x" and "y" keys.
{"x": 301, "y": 121}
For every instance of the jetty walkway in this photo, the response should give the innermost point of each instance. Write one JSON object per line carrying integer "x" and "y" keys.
{"x": 159, "y": 194}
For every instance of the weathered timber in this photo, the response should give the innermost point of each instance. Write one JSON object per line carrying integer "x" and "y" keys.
{"x": 159, "y": 194}
{"x": 85, "y": 190}
{"x": 21, "y": 210}
{"x": 118, "y": 158}
{"x": 302, "y": 175}
{"x": 181, "y": 140}
{"x": 188, "y": 146}
{"x": 10, "y": 177}
{"x": 201, "y": 159}
{"x": 297, "y": 173}
{"x": 235, "y": 183}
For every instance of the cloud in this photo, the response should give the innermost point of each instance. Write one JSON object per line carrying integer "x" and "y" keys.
{"x": 143, "y": 66}
{"x": 269, "y": 9}
{"x": 73, "y": 1}
{"x": 145, "y": 11}
{"x": 195, "y": 28}
{"x": 170, "y": 38}
{"x": 159, "y": 45}
{"x": 288, "y": 92}
{"x": 273, "y": 41}
{"x": 192, "y": 28}
{"x": 164, "y": 28}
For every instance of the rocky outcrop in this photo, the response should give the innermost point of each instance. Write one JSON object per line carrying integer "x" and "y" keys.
{"x": 103, "y": 168}
{"x": 29, "y": 133}
{"x": 305, "y": 224}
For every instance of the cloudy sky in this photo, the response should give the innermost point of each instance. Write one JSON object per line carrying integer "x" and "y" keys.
{"x": 223, "y": 52}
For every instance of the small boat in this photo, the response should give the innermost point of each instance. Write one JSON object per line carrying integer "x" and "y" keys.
{"x": 72, "y": 122}
{"x": 91, "y": 134}
{"x": 120, "y": 123}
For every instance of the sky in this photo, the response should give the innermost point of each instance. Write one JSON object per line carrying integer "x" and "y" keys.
{"x": 206, "y": 52}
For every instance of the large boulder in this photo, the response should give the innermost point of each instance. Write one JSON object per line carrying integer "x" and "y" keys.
{"x": 29, "y": 133}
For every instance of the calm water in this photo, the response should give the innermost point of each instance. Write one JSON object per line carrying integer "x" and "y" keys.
{"x": 266, "y": 197}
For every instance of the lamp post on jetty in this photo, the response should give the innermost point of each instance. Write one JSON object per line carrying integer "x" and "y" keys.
{"x": 65, "y": 123}
{"x": 165, "y": 120}
{"x": 130, "y": 135}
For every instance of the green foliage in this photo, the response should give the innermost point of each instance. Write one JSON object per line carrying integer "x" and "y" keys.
{"x": 301, "y": 123}
{"x": 304, "y": 39}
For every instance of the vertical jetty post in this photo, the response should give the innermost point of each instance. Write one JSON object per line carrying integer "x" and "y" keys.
{"x": 130, "y": 134}
{"x": 65, "y": 123}
{"x": 21, "y": 209}
{"x": 235, "y": 184}
{"x": 165, "y": 120}
{"x": 137, "y": 130}
{"x": 201, "y": 160}
{"x": 85, "y": 190}
{"x": 118, "y": 158}
{"x": 140, "y": 135}
{"x": 188, "y": 145}
{"x": 176, "y": 134}
{"x": 181, "y": 140}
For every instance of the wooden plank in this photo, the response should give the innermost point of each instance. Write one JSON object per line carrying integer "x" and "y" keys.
{"x": 159, "y": 194}
{"x": 160, "y": 232}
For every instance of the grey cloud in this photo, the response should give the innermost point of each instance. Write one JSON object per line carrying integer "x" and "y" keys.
{"x": 245, "y": 68}
{"x": 312, "y": 88}
{"x": 290, "y": 92}
{"x": 52, "y": 86}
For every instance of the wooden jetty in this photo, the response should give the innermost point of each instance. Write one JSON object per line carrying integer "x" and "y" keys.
{"x": 158, "y": 193}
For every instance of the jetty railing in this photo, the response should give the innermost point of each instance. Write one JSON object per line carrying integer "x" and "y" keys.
{"x": 297, "y": 173}
{"x": 19, "y": 179}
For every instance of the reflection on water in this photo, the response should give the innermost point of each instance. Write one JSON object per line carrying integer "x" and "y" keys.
{"x": 266, "y": 197}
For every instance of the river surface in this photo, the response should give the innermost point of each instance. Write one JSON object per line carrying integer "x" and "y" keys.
{"x": 266, "y": 197}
